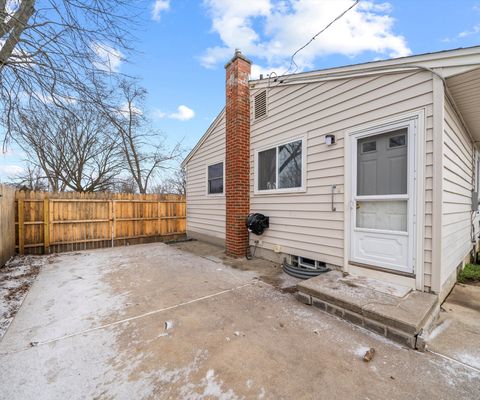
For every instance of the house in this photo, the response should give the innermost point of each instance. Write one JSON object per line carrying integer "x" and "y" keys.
{"x": 369, "y": 168}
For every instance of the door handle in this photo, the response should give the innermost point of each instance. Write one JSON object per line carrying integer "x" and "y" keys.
{"x": 357, "y": 206}
{"x": 333, "y": 198}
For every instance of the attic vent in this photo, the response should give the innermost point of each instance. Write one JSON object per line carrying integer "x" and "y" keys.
{"x": 261, "y": 104}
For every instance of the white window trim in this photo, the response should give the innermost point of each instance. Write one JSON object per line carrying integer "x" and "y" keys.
{"x": 218, "y": 161}
{"x": 300, "y": 189}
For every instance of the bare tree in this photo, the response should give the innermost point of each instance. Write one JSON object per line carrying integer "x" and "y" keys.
{"x": 144, "y": 150}
{"x": 74, "y": 148}
{"x": 124, "y": 185}
{"x": 57, "y": 51}
{"x": 174, "y": 184}
{"x": 32, "y": 178}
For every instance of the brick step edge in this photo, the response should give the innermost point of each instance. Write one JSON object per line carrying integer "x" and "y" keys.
{"x": 407, "y": 339}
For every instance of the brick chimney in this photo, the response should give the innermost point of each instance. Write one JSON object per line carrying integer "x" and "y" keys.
{"x": 237, "y": 164}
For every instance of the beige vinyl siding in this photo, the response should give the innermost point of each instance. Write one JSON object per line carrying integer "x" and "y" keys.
{"x": 206, "y": 213}
{"x": 303, "y": 223}
{"x": 458, "y": 178}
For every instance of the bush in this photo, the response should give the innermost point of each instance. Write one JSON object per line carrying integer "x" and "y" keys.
{"x": 470, "y": 273}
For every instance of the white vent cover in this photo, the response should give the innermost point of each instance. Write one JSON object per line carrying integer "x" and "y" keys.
{"x": 261, "y": 104}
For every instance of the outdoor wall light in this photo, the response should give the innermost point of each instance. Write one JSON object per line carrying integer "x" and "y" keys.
{"x": 329, "y": 139}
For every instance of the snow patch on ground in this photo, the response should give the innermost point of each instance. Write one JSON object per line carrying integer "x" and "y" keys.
{"x": 360, "y": 351}
{"x": 469, "y": 359}
{"x": 455, "y": 374}
{"x": 439, "y": 329}
{"x": 16, "y": 277}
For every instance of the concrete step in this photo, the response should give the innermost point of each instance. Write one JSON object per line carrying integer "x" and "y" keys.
{"x": 386, "y": 309}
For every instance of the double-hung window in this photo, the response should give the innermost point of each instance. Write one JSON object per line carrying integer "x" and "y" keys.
{"x": 280, "y": 168}
{"x": 215, "y": 178}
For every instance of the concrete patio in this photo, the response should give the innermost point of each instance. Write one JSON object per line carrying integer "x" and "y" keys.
{"x": 182, "y": 322}
{"x": 456, "y": 333}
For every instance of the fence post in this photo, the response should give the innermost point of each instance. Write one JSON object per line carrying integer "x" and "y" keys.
{"x": 112, "y": 219}
{"x": 21, "y": 226}
{"x": 46, "y": 226}
{"x": 51, "y": 230}
{"x": 159, "y": 220}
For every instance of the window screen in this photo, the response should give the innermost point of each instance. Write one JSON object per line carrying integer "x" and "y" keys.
{"x": 267, "y": 177}
{"x": 290, "y": 165}
{"x": 215, "y": 178}
{"x": 280, "y": 167}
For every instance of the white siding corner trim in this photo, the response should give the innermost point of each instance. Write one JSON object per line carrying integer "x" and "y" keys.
{"x": 459, "y": 227}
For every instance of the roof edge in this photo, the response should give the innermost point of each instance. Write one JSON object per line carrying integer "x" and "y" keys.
{"x": 400, "y": 61}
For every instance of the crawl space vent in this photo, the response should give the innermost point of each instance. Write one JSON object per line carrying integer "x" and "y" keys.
{"x": 261, "y": 104}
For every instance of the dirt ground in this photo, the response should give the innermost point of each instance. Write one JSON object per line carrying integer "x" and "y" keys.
{"x": 16, "y": 277}
{"x": 178, "y": 321}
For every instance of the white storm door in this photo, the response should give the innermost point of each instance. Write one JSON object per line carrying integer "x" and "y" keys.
{"x": 382, "y": 204}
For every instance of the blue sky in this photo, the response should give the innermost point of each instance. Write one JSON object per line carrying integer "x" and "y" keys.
{"x": 182, "y": 46}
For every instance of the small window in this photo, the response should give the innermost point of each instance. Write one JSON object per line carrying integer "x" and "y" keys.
{"x": 280, "y": 167}
{"x": 260, "y": 104}
{"x": 215, "y": 178}
{"x": 397, "y": 141}
{"x": 368, "y": 147}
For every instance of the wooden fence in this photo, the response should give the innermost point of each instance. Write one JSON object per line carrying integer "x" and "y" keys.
{"x": 56, "y": 222}
{"x": 7, "y": 223}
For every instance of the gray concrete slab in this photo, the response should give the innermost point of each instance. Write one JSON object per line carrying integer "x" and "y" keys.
{"x": 99, "y": 320}
{"x": 407, "y": 313}
{"x": 456, "y": 333}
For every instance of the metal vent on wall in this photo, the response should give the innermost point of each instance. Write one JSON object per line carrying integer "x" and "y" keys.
{"x": 261, "y": 104}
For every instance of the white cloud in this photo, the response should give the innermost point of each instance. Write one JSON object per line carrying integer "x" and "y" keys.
{"x": 158, "y": 7}
{"x": 469, "y": 32}
{"x": 473, "y": 31}
{"x": 183, "y": 113}
{"x": 10, "y": 170}
{"x": 158, "y": 114}
{"x": 272, "y": 30}
{"x": 125, "y": 110}
{"x": 11, "y": 7}
{"x": 11, "y": 152}
{"x": 108, "y": 58}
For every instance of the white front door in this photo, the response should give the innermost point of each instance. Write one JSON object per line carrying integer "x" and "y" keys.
{"x": 383, "y": 197}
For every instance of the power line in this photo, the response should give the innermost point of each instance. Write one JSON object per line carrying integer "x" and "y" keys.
{"x": 292, "y": 61}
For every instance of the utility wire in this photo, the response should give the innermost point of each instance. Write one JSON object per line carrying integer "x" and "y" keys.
{"x": 292, "y": 61}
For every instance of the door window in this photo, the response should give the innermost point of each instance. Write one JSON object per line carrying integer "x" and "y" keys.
{"x": 382, "y": 175}
{"x": 384, "y": 171}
